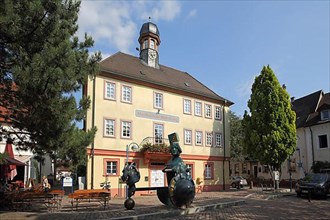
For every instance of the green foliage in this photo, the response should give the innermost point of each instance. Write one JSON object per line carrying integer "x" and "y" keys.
{"x": 149, "y": 147}
{"x": 236, "y": 138}
{"x": 270, "y": 131}
{"x": 74, "y": 145}
{"x": 2, "y": 157}
{"x": 42, "y": 65}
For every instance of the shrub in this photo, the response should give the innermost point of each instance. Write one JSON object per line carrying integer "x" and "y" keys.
{"x": 149, "y": 147}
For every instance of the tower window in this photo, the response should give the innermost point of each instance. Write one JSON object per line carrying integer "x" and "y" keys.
{"x": 152, "y": 44}
{"x": 145, "y": 44}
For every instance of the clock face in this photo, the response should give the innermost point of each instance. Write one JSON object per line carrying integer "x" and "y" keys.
{"x": 152, "y": 55}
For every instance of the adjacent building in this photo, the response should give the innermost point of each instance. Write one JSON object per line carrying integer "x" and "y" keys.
{"x": 135, "y": 101}
{"x": 32, "y": 168}
{"x": 313, "y": 131}
{"x": 313, "y": 134}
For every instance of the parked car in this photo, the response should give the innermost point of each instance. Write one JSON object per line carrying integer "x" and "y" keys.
{"x": 235, "y": 180}
{"x": 317, "y": 183}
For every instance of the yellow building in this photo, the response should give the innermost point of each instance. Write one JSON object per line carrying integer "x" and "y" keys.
{"x": 137, "y": 100}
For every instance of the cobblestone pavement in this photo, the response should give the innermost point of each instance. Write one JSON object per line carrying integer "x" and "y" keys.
{"x": 259, "y": 207}
{"x": 251, "y": 205}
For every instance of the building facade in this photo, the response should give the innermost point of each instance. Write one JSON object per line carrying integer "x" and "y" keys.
{"x": 135, "y": 101}
{"x": 313, "y": 134}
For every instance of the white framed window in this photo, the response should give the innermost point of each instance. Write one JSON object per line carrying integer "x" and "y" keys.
{"x": 209, "y": 138}
{"x": 187, "y": 106}
{"x": 126, "y": 129}
{"x": 199, "y": 137}
{"x": 208, "y": 111}
{"x": 112, "y": 167}
{"x": 109, "y": 127}
{"x": 325, "y": 115}
{"x": 110, "y": 90}
{"x": 126, "y": 95}
{"x": 218, "y": 139}
{"x": 207, "y": 171}
{"x": 190, "y": 168}
{"x": 152, "y": 44}
{"x": 217, "y": 112}
{"x": 158, "y": 133}
{"x": 198, "y": 108}
{"x": 187, "y": 136}
{"x": 158, "y": 100}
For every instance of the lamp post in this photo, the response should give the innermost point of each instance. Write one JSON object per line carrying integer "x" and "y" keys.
{"x": 134, "y": 147}
{"x": 93, "y": 125}
{"x": 290, "y": 172}
{"x": 300, "y": 164}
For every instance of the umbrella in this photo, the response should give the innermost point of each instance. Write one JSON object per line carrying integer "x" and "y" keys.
{"x": 12, "y": 161}
{"x": 11, "y": 171}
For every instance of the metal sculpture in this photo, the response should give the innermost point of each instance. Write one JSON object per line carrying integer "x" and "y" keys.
{"x": 181, "y": 187}
{"x": 180, "y": 191}
{"x": 130, "y": 176}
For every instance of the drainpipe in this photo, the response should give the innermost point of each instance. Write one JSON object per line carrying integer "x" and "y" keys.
{"x": 310, "y": 128}
{"x": 224, "y": 145}
{"x": 93, "y": 124}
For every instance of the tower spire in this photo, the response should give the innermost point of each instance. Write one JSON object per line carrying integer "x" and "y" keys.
{"x": 149, "y": 42}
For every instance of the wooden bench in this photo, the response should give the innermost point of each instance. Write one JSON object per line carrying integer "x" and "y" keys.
{"x": 57, "y": 196}
{"x": 90, "y": 195}
{"x": 21, "y": 201}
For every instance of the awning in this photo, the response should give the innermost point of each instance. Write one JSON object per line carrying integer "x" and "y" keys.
{"x": 12, "y": 161}
{"x": 23, "y": 158}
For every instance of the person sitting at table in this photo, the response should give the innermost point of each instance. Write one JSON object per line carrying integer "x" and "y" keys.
{"x": 45, "y": 184}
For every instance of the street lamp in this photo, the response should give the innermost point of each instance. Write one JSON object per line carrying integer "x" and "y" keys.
{"x": 301, "y": 169}
{"x": 290, "y": 172}
{"x": 134, "y": 147}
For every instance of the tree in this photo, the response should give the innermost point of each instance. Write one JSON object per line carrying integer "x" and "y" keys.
{"x": 270, "y": 131}
{"x": 42, "y": 65}
{"x": 236, "y": 138}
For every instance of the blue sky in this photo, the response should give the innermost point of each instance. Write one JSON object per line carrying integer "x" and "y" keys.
{"x": 223, "y": 44}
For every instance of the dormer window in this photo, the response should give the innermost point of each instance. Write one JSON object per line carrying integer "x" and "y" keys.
{"x": 325, "y": 115}
{"x": 152, "y": 44}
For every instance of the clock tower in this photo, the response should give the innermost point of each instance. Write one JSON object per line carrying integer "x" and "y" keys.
{"x": 149, "y": 43}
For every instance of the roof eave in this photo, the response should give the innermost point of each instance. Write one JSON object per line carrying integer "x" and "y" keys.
{"x": 217, "y": 98}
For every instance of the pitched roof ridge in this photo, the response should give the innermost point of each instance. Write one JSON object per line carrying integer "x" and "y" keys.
{"x": 319, "y": 101}
{"x": 309, "y": 95}
{"x": 126, "y": 69}
{"x": 109, "y": 57}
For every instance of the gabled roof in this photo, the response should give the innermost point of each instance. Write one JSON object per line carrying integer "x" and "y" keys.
{"x": 308, "y": 108}
{"x": 124, "y": 65}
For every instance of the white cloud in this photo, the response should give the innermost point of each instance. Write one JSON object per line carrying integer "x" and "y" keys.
{"x": 107, "y": 21}
{"x": 243, "y": 90}
{"x": 112, "y": 22}
{"x": 191, "y": 14}
{"x": 166, "y": 10}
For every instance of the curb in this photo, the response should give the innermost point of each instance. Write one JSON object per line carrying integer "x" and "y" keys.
{"x": 278, "y": 195}
{"x": 187, "y": 211}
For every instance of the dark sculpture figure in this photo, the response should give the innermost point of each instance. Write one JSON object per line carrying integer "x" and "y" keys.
{"x": 181, "y": 188}
{"x": 130, "y": 176}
